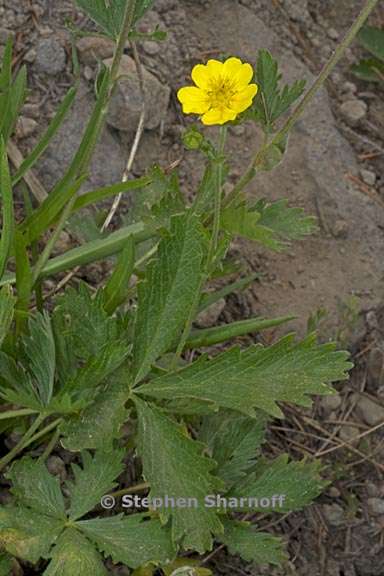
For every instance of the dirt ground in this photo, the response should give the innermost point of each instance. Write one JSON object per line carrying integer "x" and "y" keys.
{"x": 334, "y": 169}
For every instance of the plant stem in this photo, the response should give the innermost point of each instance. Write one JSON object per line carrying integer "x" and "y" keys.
{"x": 16, "y": 413}
{"x": 126, "y": 28}
{"x": 22, "y": 443}
{"x": 218, "y": 196}
{"x": 50, "y": 446}
{"x": 131, "y": 490}
{"x": 324, "y": 74}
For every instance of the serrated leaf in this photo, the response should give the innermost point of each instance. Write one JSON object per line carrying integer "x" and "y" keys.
{"x": 95, "y": 479}
{"x": 287, "y": 223}
{"x": 372, "y": 38}
{"x": 39, "y": 347}
{"x": 7, "y": 305}
{"x": 297, "y": 482}
{"x": 233, "y": 441}
{"x": 36, "y": 488}
{"x": 26, "y": 533}
{"x": 75, "y": 555}
{"x": 370, "y": 69}
{"x": 133, "y": 540}
{"x": 174, "y": 466}
{"x": 97, "y": 426}
{"x": 109, "y": 14}
{"x": 257, "y": 377}
{"x": 252, "y": 546}
{"x": 17, "y": 384}
{"x": 7, "y": 213}
{"x": 168, "y": 292}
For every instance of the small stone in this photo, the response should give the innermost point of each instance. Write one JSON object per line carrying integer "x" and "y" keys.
{"x": 50, "y": 57}
{"x": 333, "y": 34}
{"x": 30, "y": 56}
{"x": 56, "y": 466}
{"x": 349, "y": 88}
{"x": 93, "y": 49}
{"x": 210, "y": 315}
{"x": 354, "y": 111}
{"x": 349, "y": 434}
{"x": 375, "y": 365}
{"x": 372, "y": 490}
{"x": 88, "y": 73}
{"x": 334, "y": 492}
{"x": 64, "y": 242}
{"x": 330, "y": 403}
{"x": 334, "y": 514}
{"x": 368, "y": 176}
{"x": 25, "y": 127}
{"x": 369, "y": 411}
{"x": 376, "y": 506}
{"x": 150, "y": 47}
{"x": 126, "y": 103}
{"x": 5, "y": 34}
{"x": 237, "y": 130}
{"x": 340, "y": 229}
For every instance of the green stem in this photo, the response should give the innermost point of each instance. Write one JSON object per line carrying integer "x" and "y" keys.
{"x": 22, "y": 443}
{"x": 126, "y": 28}
{"x": 324, "y": 74}
{"x": 218, "y": 196}
{"x": 16, "y": 413}
{"x": 131, "y": 490}
{"x": 50, "y": 446}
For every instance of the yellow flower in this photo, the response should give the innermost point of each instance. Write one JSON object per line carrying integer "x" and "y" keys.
{"x": 222, "y": 91}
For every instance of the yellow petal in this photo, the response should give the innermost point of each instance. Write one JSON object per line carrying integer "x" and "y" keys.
{"x": 193, "y": 99}
{"x": 232, "y": 66}
{"x": 218, "y": 116}
{"x": 244, "y": 96}
{"x": 201, "y": 76}
{"x": 214, "y": 69}
{"x": 243, "y": 76}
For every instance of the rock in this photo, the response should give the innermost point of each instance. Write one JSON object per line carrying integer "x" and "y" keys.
{"x": 371, "y": 489}
{"x": 354, "y": 111}
{"x": 375, "y": 506}
{"x": 125, "y": 106}
{"x": 368, "y": 176}
{"x": 349, "y": 434}
{"x": 334, "y": 514}
{"x": 340, "y": 229}
{"x": 375, "y": 365}
{"x": 349, "y": 88}
{"x": 93, "y": 49}
{"x": 210, "y": 315}
{"x": 330, "y": 403}
{"x": 151, "y": 48}
{"x": 369, "y": 411}
{"x": 50, "y": 57}
{"x": 56, "y": 466}
{"x": 333, "y": 34}
{"x": 30, "y": 56}
{"x": 297, "y": 10}
{"x": 334, "y": 492}
{"x": 5, "y": 34}
{"x": 25, "y": 127}
{"x": 88, "y": 73}
{"x": 109, "y": 159}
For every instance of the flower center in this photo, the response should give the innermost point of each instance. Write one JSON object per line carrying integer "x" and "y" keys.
{"x": 221, "y": 93}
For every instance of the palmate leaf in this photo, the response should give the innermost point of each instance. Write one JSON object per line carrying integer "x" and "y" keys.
{"x": 257, "y": 377}
{"x": 109, "y": 14}
{"x": 168, "y": 292}
{"x": 369, "y": 69}
{"x": 298, "y": 482}
{"x": 74, "y": 554}
{"x": 133, "y": 540}
{"x": 97, "y": 426}
{"x": 174, "y": 466}
{"x": 95, "y": 478}
{"x": 372, "y": 38}
{"x": 252, "y": 546}
{"x": 36, "y": 488}
{"x": 26, "y": 533}
{"x": 233, "y": 441}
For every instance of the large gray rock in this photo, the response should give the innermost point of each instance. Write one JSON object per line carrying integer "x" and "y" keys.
{"x": 50, "y": 57}
{"x": 108, "y": 161}
{"x": 328, "y": 268}
{"x": 126, "y": 103}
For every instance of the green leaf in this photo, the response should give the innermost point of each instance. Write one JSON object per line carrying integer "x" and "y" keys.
{"x": 18, "y": 388}
{"x": 210, "y": 298}
{"x": 5, "y": 565}
{"x": 257, "y": 377}
{"x": 217, "y": 334}
{"x": 17, "y": 97}
{"x": 24, "y": 279}
{"x": 74, "y": 554}
{"x": 36, "y": 488}
{"x": 370, "y": 69}
{"x": 168, "y": 292}
{"x": 39, "y": 347}
{"x": 174, "y": 466}
{"x": 7, "y": 304}
{"x": 372, "y": 39}
{"x": 286, "y": 223}
{"x": 116, "y": 289}
{"x": 133, "y": 540}
{"x": 109, "y": 14}
{"x": 233, "y": 441}
{"x": 7, "y": 209}
{"x": 97, "y": 426}
{"x": 297, "y": 482}
{"x": 95, "y": 479}
{"x": 27, "y": 534}
{"x": 252, "y": 546}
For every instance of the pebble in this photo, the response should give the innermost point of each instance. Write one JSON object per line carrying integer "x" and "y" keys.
{"x": 368, "y": 176}
{"x": 50, "y": 57}
{"x": 237, "y": 130}
{"x": 25, "y": 127}
{"x": 330, "y": 403}
{"x": 369, "y": 411}
{"x": 30, "y": 56}
{"x": 348, "y": 434}
{"x": 334, "y": 514}
{"x": 5, "y": 34}
{"x": 340, "y": 229}
{"x": 210, "y": 315}
{"x": 376, "y": 506}
{"x": 150, "y": 47}
{"x": 333, "y": 34}
{"x": 372, "y": 490}
{"x": 354, "y": 111}
{"x": 349, "y": 88}
{"x": 92, "y": 49}
{"x": 56, "y": 466}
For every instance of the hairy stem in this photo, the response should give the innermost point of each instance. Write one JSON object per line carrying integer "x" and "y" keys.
{"x": 324, "y": 74}
{"x": 22, "y": 443}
